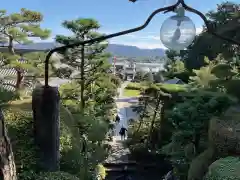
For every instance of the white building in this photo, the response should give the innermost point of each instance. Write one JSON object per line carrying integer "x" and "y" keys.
{"x": 128, "y": 68}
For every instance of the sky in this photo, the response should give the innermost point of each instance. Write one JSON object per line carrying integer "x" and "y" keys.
{"x": 113, "y": 16}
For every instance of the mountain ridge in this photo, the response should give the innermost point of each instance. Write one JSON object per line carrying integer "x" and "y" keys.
{"x": 134, "y": 51}
{"x": 114, "y": 49}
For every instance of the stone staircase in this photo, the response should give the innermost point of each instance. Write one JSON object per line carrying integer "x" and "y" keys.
{"x": 116, "y": 171}
{"x": 118, "y": 164}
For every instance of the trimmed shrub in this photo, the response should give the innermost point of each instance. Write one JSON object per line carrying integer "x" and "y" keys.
{"x": 224, "y": 169}
{"x": 134, "y": 86}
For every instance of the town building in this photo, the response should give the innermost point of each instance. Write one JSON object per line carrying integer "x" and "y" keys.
{"x": 128, "y": 67}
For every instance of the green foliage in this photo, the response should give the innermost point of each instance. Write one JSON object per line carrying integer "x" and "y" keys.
{"x": 81, "y": 147}
{"x": 224, "y": 169}
{"x": 171, "y": 88}
{"x": 204, "y": 76}
{"x": 201, "y": 108}
{"x": 148, "y": 77}
{"x": 56, "y": 176}
{"x": 171, "y": 54}
{"x": 225, "y": 16}
{"x": 19, "y": 124}
{"x": 6, "y": 96}
{"x": 21, "y": 27}
{"x": 190, "y": 120}
{"x": 223, "y": 71}
{"x": 139, "y": 76}
{"x": 88, "y": 65}
{"x": 229, "y": 86}
{"x": 158, "y": 77}
{"x": 101, "y": 171}
{"x": 88, "y": 100}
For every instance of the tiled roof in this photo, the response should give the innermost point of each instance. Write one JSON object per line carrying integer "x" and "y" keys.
{"x": 8, "y": 79}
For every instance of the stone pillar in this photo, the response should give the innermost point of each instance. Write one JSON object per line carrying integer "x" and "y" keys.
{"x": 46, "y": 107}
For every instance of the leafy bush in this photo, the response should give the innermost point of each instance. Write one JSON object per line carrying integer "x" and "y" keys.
{"x": 230, "y": 86}
{"x": 19, "y": 124}
{"x": 224, "y": 169}
{"x": 56, "y": 176}
{"x": 6, "y": 96}
{"x": 190, "y": 120}
{"x": 192, "y": 116}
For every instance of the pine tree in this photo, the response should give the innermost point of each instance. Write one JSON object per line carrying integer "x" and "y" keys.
{"x": 21, "y": 28}
{"x": 88, "y": 63}
{"x": 15, "y": 28}
{"x": 90, "y": 95}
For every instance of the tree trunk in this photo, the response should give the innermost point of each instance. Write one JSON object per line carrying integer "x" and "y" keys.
{"x": 196, "y": 140}
{"x": 19, "y": 78}
{"x": 82, "y": 84}
{"x": 18, "y": 70}
{"x": 7, "y": 164}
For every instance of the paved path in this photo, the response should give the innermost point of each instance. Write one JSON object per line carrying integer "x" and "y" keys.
{"x": 119, "y": 152}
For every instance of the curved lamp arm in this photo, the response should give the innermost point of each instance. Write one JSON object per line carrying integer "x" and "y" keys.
{"x": 209, "y": 26}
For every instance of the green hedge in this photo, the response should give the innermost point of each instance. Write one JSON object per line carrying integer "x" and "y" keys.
{"x": 170, "y": 88}
{"x": 167, "y": 87}
{"x": 134, "y": 86}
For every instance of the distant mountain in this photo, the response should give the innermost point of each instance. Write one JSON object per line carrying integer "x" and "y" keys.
{"x": 115, "y": 49}
{"x": 133, "y": 51}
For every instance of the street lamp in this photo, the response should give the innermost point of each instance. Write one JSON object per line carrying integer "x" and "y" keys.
{"x": 46, "y": 101}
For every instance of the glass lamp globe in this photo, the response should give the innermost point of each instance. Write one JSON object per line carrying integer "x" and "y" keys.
{"x": 177, "y": 32}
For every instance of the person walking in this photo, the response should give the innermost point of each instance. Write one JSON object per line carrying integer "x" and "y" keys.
{"x": 122, "y": 133}
{"x": 117, "y": 118}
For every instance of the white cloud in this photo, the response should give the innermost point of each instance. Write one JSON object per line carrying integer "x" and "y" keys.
{"x": 199, "y": 30}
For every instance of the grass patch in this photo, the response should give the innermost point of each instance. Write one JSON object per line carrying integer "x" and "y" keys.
{"x": 131, "y": 93}
{"x": 172, "y": 87}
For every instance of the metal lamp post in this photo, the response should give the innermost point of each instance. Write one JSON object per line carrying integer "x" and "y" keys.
{"x": 46, "y": 99}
